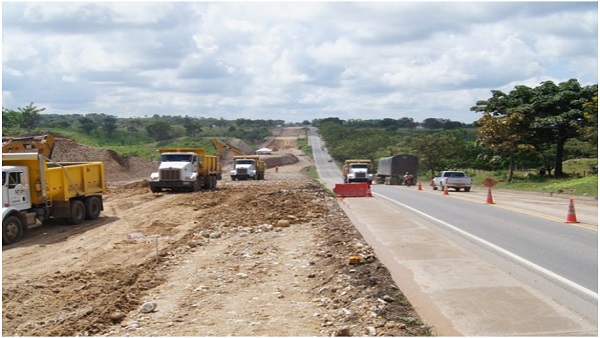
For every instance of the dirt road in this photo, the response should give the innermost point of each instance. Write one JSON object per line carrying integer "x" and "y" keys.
{"x": 250, "y": 258}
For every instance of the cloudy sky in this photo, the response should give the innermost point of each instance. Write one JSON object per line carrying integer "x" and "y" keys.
{"x": 289, "y": 60}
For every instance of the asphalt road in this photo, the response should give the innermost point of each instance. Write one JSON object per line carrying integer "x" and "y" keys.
{"x": 525, "y": 239}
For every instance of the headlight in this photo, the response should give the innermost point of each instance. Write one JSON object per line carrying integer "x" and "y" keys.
{"x": 154, "y": 177}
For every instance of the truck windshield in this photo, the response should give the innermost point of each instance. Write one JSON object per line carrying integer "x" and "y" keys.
{"x": 244, "y": 162}
{"x": 359, "y": 166}
{"x": 175, "y": 158}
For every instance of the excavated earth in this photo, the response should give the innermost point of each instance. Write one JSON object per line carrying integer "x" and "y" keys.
{"x": 251, "y": 258}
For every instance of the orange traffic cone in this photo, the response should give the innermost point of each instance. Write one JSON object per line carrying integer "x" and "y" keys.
{"x": 446, "y": 190}
{"x": 489, "y": 199}
{"x": 419, "y": 187}
{"x": 571, "y": 217}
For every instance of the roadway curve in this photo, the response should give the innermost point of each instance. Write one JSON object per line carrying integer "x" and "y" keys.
{"x": 546, "y": 268}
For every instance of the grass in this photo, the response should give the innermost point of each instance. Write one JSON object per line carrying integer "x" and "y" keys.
{"x": 579, "y": 180}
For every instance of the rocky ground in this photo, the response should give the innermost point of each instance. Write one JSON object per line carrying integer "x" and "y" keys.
{"x": 251, "y": 258}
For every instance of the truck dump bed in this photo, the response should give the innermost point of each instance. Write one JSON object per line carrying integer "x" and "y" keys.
{"x": 209, "y": 164}
{"x": 61, "y": 181}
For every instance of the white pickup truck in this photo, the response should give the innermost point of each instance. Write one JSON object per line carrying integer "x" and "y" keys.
{"x": 452, "y": 179}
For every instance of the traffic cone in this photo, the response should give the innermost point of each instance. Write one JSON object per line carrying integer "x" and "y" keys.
{"x": 419, "y": 187}
{"x": 571, "y": 217}
{"x": 489, "y": 199}
{"x": 446, "y": 190}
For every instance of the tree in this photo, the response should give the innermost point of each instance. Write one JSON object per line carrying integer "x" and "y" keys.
{"x": 109, "y": 124}
{"x": 191, "y": 126}
{"x": 159, "y": 130}
{"x": 432, "y": 123}
{"x": 551, "y": 114}
{"x": 87, "y": 124}
{"x": 436, "y": 151}
{"x": 27, "y": 118}
{"x": 10, "y": 118}
{"x": 590, "y": 114}
{"x": 505, "y": 135}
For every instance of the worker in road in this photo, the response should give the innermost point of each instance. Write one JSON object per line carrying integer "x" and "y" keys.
{"x": 408, "y": 179}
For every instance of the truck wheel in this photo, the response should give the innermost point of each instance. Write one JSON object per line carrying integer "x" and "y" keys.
{"x": 93, "y": 206}
{"x": 215, "y": 181}
{"x": 155, "y": 189}
{"x": 467, "y": 189}
{"x": 77, "y": 212}
{"x": 196, "y": 186}
{"x": 12, "y": 230}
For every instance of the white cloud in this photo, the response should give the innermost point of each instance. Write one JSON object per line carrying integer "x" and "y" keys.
{"x": 298, "y": 61}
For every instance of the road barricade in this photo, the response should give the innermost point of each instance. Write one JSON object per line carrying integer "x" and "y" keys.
{"x": 352, "y": 190}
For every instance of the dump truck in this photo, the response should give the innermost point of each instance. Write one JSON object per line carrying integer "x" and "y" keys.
{"x": 185, "y": 169}
{"x": 248, "y": 167}
{"x": 357, "y": 171}
{"x": 391, "y": 170}
{"x": 36, "y": 189}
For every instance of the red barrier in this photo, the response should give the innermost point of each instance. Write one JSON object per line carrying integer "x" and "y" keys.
{"x": 352, "y": 190}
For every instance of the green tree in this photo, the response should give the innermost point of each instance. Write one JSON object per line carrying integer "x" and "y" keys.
{"x": 551, "y": 114}
{"x": 27, "y": 117}
{"x": 432, "y": 123}
{"x": 159, "y": 130}
{"x": 437, "y": 151}
{"x": 10, "y": 119}
{"x": 87, "y": 125}
{"x": 109, "y": 124}
{"x": 505, "y": 135}
{"x": 560, "y": 114}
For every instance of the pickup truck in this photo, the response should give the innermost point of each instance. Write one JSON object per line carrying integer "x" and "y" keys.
{"x": 452, "y": 179}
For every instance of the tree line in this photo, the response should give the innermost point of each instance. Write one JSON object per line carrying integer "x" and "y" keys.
{"x": 109, "y": 129}
{"x": 537, "y": 127}
{"x": 533, "y": 127}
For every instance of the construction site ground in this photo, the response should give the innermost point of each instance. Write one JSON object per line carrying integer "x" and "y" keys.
{"x": 251, "y": 258}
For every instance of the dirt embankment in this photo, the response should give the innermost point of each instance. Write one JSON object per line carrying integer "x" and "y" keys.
{"x": 250, "y": 258}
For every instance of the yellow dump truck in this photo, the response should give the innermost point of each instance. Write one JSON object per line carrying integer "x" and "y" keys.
{"x": 248, "y": 167}
{"x": 185, "y": 169}
{"x": 357, "y": 171}
{"x": 35, "y": 189}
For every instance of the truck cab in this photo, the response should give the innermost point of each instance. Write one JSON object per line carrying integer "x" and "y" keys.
{"x": 247, "y": 168}
{"x": 357, "y": 171}
{"x": 15, "y": 188}
{"x": 176, "y": 170}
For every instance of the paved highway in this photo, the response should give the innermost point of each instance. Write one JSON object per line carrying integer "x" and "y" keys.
{"x": 553, "y": 257}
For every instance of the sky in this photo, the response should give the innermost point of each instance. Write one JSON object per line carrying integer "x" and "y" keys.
{"x": 291, "y": 61}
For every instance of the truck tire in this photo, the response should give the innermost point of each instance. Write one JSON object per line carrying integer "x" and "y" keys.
{"x": 215, "y": 179}
{"x": 467, "y": 189}
{"x": 155, "y": 189}
{"x": 12, "y": 230}
{"x": 77, "y": 212}
{"x": 93, "y": 207}
{"x": 196, "y": 186}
